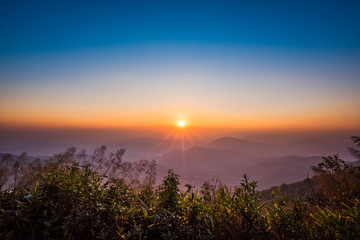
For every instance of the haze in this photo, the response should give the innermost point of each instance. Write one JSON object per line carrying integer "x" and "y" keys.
{"x": 254, "y": 83}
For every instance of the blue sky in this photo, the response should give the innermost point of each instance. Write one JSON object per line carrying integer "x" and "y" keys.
{"x": 242, "y": 60}
{"x": 38, "y": 26}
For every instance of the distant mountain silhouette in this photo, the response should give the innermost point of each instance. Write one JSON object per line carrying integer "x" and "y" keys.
{"x": 145, "y": 148}
{"x": 226, "y": 158}
{"x": 276, "y": 171}
{"x": 247, "y": 147}
{"x": 302, "y": 147}
{"x": 229, "y": 167}
{"x": 34, "y": 148}
{"x": 317, "y": 147}
{"x": 202, "y": 158}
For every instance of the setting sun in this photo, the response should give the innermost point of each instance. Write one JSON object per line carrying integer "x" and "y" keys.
{"x": 181, "y": 124}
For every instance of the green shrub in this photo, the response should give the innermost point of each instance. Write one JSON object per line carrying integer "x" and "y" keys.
{"x": 74, "y": 196}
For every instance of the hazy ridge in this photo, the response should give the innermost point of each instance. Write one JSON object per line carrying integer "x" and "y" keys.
{"x": 226, "y": 158}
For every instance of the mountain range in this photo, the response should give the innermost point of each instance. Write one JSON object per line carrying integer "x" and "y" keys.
{"x": 226, "y": 158}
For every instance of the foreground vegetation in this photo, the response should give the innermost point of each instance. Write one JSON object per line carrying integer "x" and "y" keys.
{"x": 74, "y": 196}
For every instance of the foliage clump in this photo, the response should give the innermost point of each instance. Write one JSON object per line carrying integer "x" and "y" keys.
{"x": 76, "y": 196}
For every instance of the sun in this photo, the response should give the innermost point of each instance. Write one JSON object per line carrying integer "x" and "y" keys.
{"x": 181, "y": 124}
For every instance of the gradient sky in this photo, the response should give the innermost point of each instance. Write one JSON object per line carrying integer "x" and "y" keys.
{"x": 239, "y": 64}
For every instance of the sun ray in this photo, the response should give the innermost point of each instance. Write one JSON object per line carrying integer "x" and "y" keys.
{"x": 183, "y": 153}
{"x": 175, "y": 139}
{"x": 188, "y": 137}
{"x": 163, "y": 140}
{"x": 153, "y": 148}
{"x": 193, "y": 132}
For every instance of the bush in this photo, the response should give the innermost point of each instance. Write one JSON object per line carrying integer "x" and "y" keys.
{"x": 75, "y": 196}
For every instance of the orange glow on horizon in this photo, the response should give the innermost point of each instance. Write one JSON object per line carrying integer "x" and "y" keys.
{"x": 117, "y": 122}
{"x": 164, "y": 118}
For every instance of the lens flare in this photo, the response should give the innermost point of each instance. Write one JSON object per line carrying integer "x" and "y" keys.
{"x": 181, "y": 124}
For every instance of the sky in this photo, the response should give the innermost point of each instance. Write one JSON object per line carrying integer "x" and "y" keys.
{"x": 228, "y": 64}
